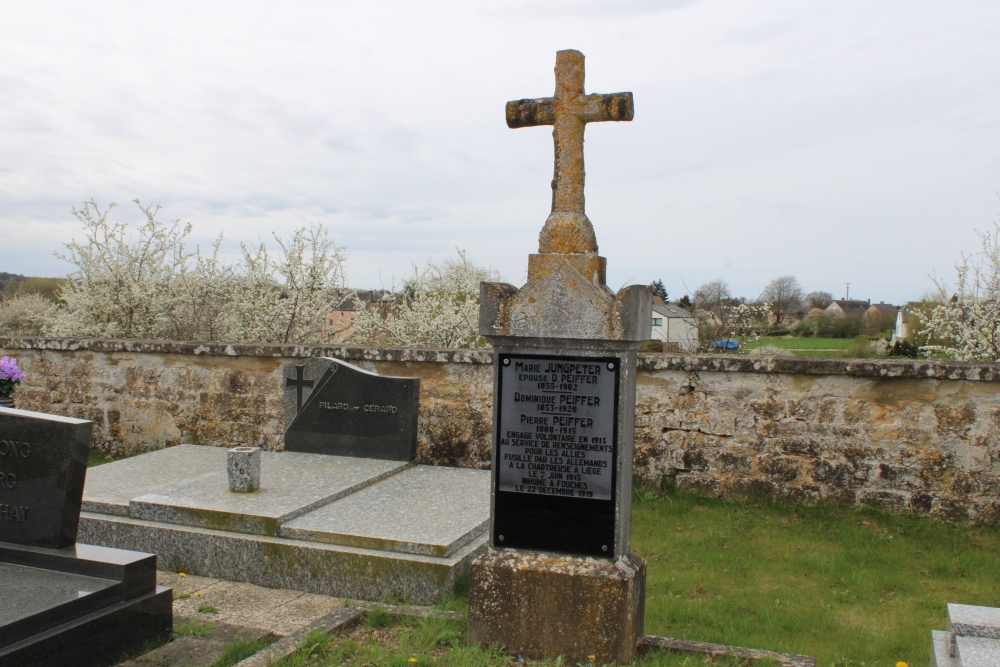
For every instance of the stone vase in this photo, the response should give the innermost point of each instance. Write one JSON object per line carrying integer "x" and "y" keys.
{"x": 243, "y": 467}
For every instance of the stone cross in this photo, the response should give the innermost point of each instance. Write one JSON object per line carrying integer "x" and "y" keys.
{"x": 558, "y": 577}
{"x": 567, "y": 229}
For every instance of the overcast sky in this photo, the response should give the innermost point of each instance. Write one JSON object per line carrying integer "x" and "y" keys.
{"x": 846, "y": 141}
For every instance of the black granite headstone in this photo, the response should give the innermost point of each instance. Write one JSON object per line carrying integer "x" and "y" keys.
{"x": 43, "y": 462}
{"x": 555, "y": 451}
{"x": 64, "y": 604}
{"x": 333, "y": 407}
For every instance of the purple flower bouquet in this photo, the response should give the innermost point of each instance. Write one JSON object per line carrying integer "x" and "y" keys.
{"x": 10, "y": 375}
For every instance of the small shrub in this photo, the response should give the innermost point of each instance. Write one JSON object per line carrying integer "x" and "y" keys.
{"x": 904, "y": 348}
{"x": 378, "y": 617}
{"x": 804, "y": 328}
{"x": 867, "y": 348}
{"x": 314, "y": 644}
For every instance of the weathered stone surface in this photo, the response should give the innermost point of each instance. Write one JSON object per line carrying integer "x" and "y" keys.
{"x": 942, "y": 644}
{"x": 974, "y": 621}
{"x": 652, "y": 643}
{"x": 295, "y": 484}
{"x": 272, "y": 562}
{"x": 537, "y": 604}
{"x": 977, "y": 651}
{"x": 428, "y": 510}
{"x": 110, "y": 488}
{"x": 243, "y": 469}
{"x": 567, "y": 230}
{"x": 566, "y": 296}
{"x": 884, "y": 438}
{"x": 145, "y": 395}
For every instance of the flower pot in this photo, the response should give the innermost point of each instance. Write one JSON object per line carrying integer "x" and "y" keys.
{"x": 6, "y": 401}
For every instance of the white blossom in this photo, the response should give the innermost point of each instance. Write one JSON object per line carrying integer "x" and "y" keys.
{"x": 966, "y": 324}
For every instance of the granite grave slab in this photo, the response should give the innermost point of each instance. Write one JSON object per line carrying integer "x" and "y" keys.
{"x": 324, "y": 524}
{"x": 972, "y": 638}
{"x": 110, "y": 490}
{"x": 292, "y": 484}
{"x": 333, "y": 407}
{"x": 64, "y": 603}
{"x": 426, "y": 510}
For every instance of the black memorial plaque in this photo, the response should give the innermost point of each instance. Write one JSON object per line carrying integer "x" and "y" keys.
{"x": 43, "y": 463}
{"x": 555, "y": 452}
{"x": 333, "y": 407}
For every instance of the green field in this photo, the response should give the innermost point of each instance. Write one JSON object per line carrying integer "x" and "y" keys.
{"x": 804, "y": 347}
{"x": 804, "y": 343}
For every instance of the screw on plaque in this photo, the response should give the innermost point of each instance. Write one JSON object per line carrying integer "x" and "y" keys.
{"x": 611, "y": 366}
{"x": 506, "y": 362}
{"x": 604, "y": 547}
{"x": 500, "y": 538}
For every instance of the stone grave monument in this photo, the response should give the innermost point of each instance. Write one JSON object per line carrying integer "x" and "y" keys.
{"x": 64, "y": 603}
{"x": 558, "y": 577}
{"x": 345, "y": 513}
{"x": 971, "y": 640}
{"x": 333, "y": 407}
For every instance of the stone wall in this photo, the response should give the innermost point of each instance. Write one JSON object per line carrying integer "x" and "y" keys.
{"x": 915, "y": 436}
{"x": 144, "y": 395}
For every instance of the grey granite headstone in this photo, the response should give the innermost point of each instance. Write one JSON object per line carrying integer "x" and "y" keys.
{"x": 333, "y": 407}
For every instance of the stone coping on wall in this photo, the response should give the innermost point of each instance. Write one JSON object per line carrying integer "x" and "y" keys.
{"x": 724, "y": 363}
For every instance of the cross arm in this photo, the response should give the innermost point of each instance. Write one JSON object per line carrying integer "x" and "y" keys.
{"x": 530, "y": 113}
{"x": 612, "y": 106}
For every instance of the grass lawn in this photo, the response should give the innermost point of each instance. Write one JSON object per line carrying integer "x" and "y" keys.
{"x": 855, "y": 587}
{"x": 383, "y": 640}
{"x": 852, "y": 586}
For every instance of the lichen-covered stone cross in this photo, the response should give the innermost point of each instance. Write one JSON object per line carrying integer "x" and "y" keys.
{"x": 567, "y": 229}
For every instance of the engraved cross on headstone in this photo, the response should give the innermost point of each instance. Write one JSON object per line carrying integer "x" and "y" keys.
{"x": 567, "y": 229}
{"x": 299, "y": 382}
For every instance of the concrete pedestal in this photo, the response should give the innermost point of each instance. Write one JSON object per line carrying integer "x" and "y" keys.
{"x": 539, "y": 605}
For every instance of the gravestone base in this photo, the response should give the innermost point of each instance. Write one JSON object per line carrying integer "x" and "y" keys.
{"x": 542, "y": 605}
{"x": 81, "y": 605}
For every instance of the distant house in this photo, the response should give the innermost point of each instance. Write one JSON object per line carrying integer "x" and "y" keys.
{"x": 845, "y": 307}
{"x": 674, "y": 326}
{"x": 345, "y": 309}
{"x": 902, "y": 329}
{"x": 882, "y": 309}
{"x": 790, "y": 317}
{"x": 880, "y": 317}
